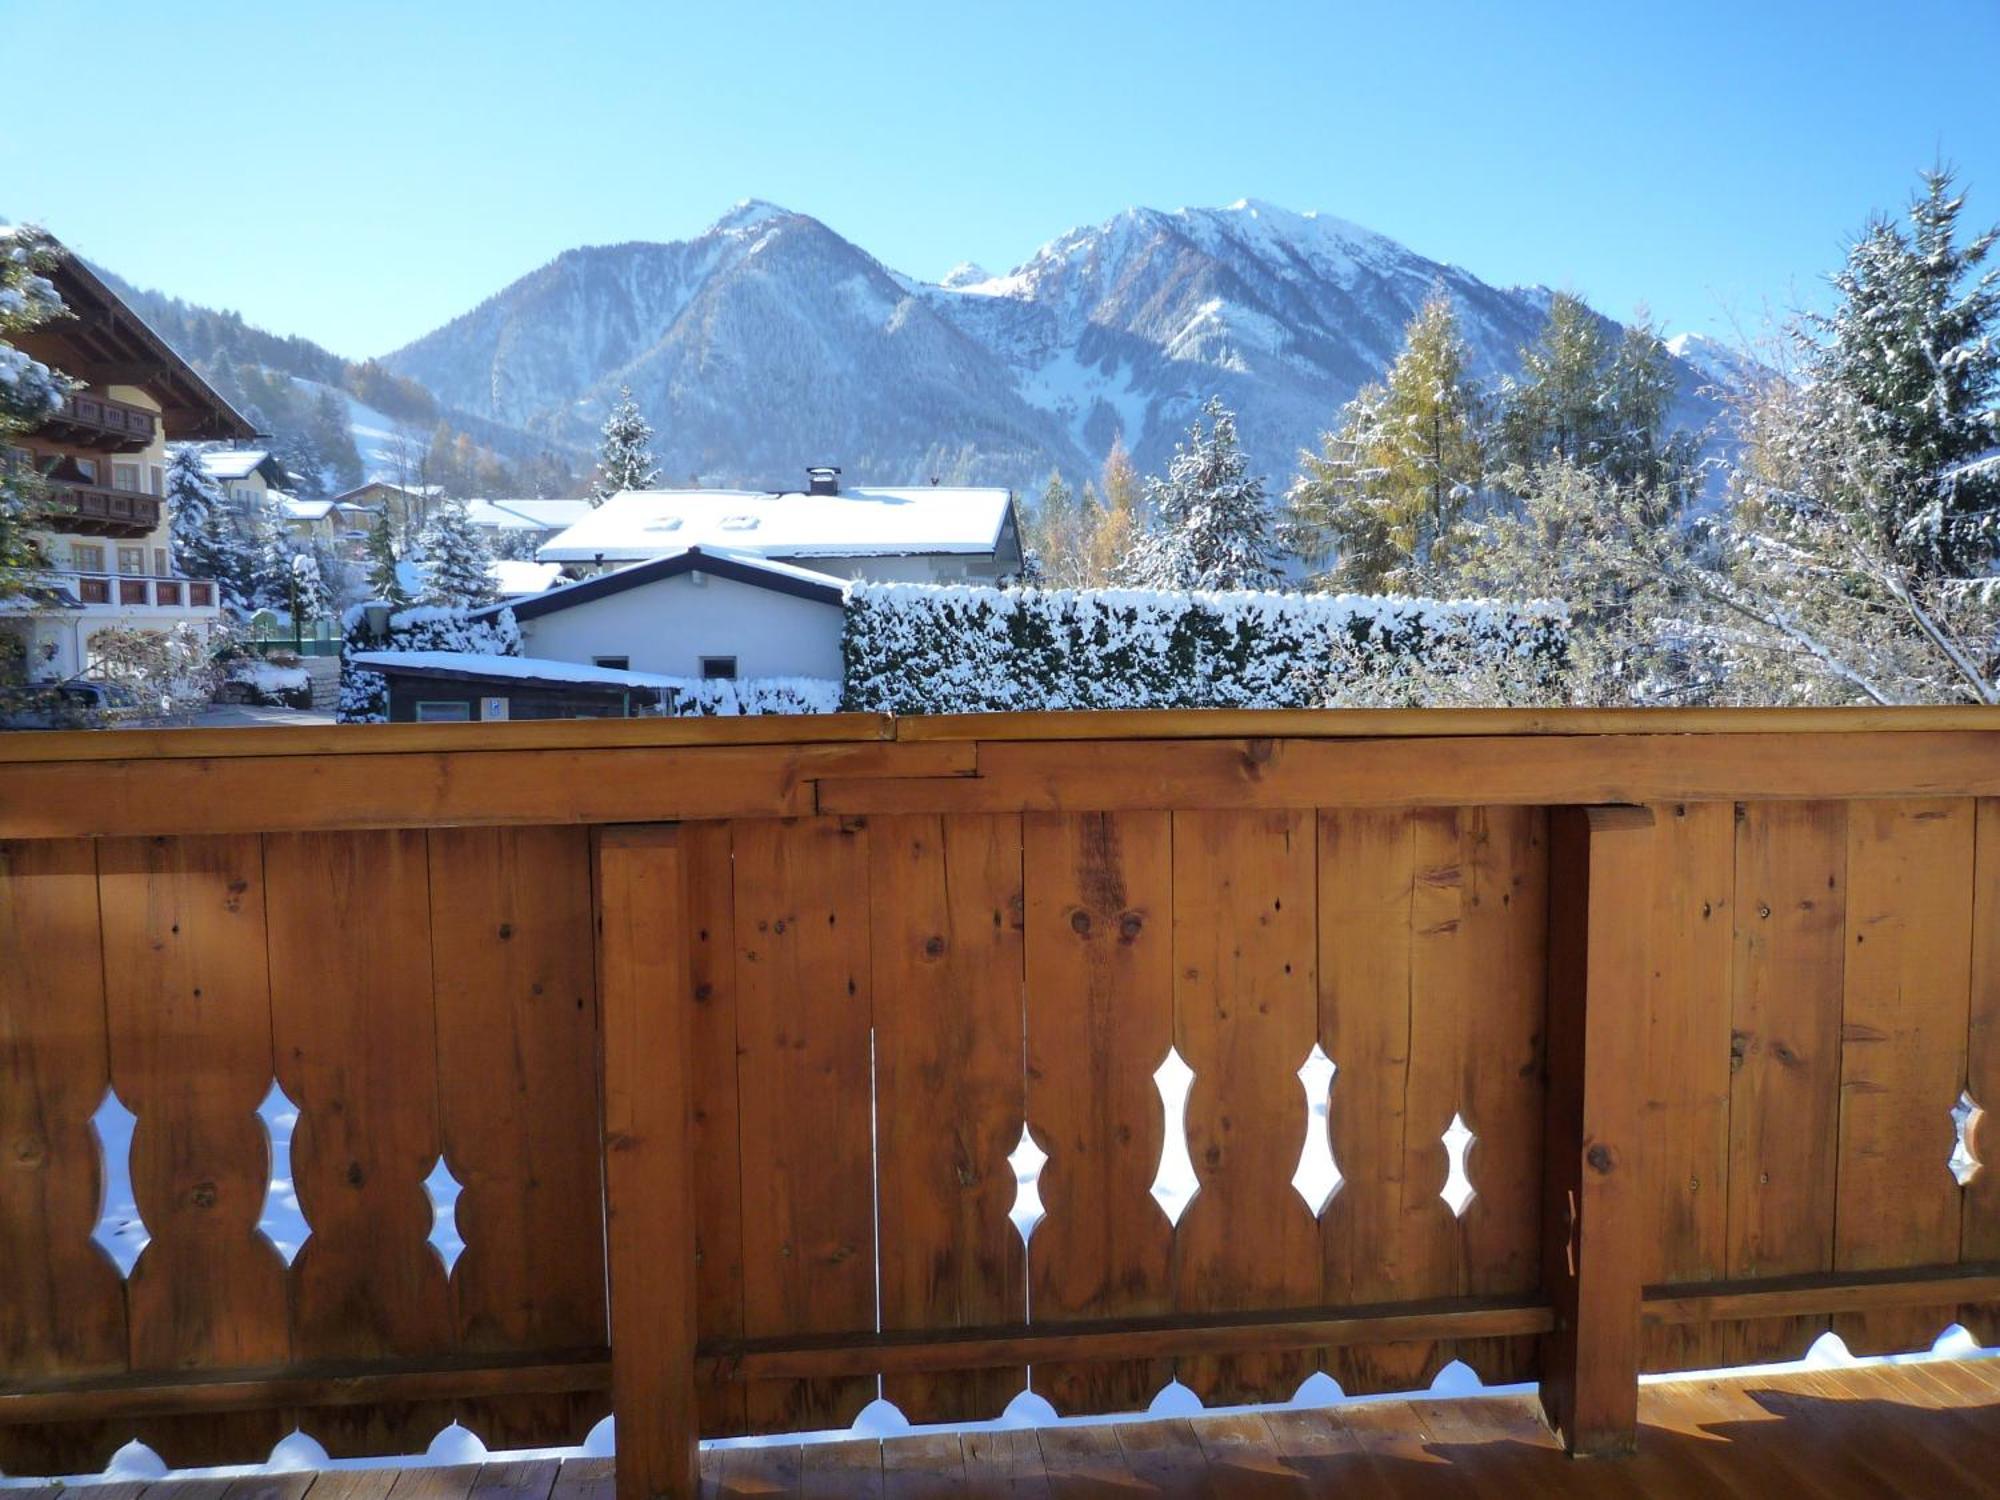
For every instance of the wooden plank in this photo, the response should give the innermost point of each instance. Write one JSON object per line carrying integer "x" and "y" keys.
{"x": 644, "y": 982}
{"x": 1791, "y": 903}
{"x": 1498, "y": 967}
{"x": 842, "y": 1471}
{"x": 1165, "y": 1458}
{"x": 355, "y": 1036}
{"x": 516, "y": 997}
{"x": 718, "y": 1181}
{"x": 440, "y": 789}
{"x": 1979, "y": 1238}
{"x": 317, "y": 1383}
{"x": 532, "y": 1480}
{"x": 1004, "y": 1464}
{"x": 766, "y": 1469}
{"x": 1386, "y": 1234}
{"x": 586, "y": 1479}
{"x": 832, "y": 1355}
{"x": 62, "y": 1303}
{"x": 1426, "y": 723}
{"x": 1245, "y": 1019}
{"x": 1686, "y": 1078}
{"x": 403, "y": 739}
{"x": 189, "y": 1005}
{"x": 923, "y": 1465}
{"x": 1123, "y": 776}
{"x": 945, "y": 918}
{"x": 1821, "y": 1292}
{"x": 1100, "y": 1019}
{"x": 1601, "y": 902}
{"x": 803, "y": 1018}
{"x": 1903, "y": 1040}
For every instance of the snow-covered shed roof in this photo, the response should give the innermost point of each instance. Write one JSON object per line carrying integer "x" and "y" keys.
{"x": 240, "y": 463}
{"x": 295, "y": 509}
{"x": 466, "y": 665}
{"x": 738, "y": 567}
{"x": 856, "y": 522}
{"x": 526, "y": 515}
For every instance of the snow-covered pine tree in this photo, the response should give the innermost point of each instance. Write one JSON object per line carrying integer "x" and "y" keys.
{"x": 1209, "y": 525}
{"x": 458, "y": 569}
{"x": 1914, "y": 347}
{"x": 203, "y": 542}
{"x": 1554, "y": 410}
{"x": 380, "y": 552}
{"x": 625, "y": 461}
{"x": 29, "y": 391}
{"x": 1385, "y": 494}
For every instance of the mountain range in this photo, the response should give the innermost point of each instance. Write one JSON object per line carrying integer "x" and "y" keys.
{"x": 770, "y": 342}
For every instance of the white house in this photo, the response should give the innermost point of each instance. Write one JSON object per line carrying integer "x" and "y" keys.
{"x": 249, "y": 476}
{"x": 504, "y": 521}
{"x": 699, "y": 612}
{"x": 925, "y": 534}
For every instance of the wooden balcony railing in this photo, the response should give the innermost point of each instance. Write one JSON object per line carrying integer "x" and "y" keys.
{"x": 137, "y": 590}
{"x": 94, "y": 510}
{"x": 91, "y": 421}
{"x": 1648, "y": 1034}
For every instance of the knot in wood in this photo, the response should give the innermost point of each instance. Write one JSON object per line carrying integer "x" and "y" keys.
{"x": 1600, "y": 1158}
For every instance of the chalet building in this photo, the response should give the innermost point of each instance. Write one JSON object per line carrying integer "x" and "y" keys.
{"x": 106, "y": 546}
{"x": 924, "y": 534}
{"x": 406, "y": 505}
{"x": 249, "y": 476}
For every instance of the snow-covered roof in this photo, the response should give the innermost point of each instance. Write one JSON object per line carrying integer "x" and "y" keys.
{"x": 526, "y": 515}
{"x": 233, "y": 463}
{"x": 296, "y": 509}
{"x": 520, "y": 668}
{"x": 738, "y": 567}
{"x": 514, "y": 578}
{"x": 857, "y": 522}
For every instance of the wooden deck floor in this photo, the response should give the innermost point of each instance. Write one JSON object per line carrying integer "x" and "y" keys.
{"x": 1928, "y": 1430}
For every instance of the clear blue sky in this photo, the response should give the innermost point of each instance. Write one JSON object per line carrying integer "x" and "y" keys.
{"x": 361, "y": 172}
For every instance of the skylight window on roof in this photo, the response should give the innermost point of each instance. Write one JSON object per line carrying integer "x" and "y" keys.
{"x": 738, "y": 523}
{"x": 665, "y": 523}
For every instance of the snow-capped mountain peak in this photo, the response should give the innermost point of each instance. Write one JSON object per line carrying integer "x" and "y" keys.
{"x": 966, "y": 273}
{"x": 749, "y": 214}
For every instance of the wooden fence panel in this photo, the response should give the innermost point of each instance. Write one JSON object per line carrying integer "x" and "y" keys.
{"x": 803, "y": 1017}
{"x": 1903, "y": 1037}
{"x": 356, "y": 1035}
{"x": 517, "y": 1025}
{"x": 1100, "y": 1012}
{"x": 1791, "y": 902}
{"x": 1980, "y": 1235}
{"x": 62, "y": 1303}
{"x": 709, "y": 879}
{"x": 945, "y": 943}
{"x": 1245, "y": 1019}
{"x": 189, "y": 1005}
{"x": 1499, "y": 983}
{"x": 1685, "y": 1120}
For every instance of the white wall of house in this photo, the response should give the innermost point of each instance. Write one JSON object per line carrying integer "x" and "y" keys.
{"x": 669, "y": 625}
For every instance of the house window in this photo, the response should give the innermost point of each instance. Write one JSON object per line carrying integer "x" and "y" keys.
{"x": 158, "y": 476}
{"x": 86, "y": 557}
{"x": 131, "y": 559}
{"x": 86, "y": 469}
{"x": 125, "y": 477}
{"x": 615, "y": 663}
{"x": 160, "y": 567}
{"x": 715, "y": 668}
{"x": 436, "y": 711}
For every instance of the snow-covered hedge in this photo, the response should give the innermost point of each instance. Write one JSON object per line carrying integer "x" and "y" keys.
{"x": 918, "y": 648}
{"x": 731, "y": 697}
{"x": 272, "y": 686}
{"x": 364, "y": 695}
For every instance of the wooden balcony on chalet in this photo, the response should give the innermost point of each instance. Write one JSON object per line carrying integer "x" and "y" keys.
{"x": 136, "y": 591}
{"x": 98, "y": 422}
{"x": 98, "y": 510}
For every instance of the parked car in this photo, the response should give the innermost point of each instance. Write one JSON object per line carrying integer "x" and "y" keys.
{"x": 78, "y": 703}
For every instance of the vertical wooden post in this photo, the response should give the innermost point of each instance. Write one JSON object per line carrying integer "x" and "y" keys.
{"x": 644, "y": 993}
{"x": 1601, "y": 875}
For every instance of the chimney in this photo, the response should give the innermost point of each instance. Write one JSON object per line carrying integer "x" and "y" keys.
{"x": 823, "y": 479}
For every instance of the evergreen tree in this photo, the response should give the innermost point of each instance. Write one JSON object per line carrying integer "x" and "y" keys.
{"x": 1553, "y": 411}
{"x": 1210, "y": 525}
{"x": 1636, "y": 446}
{"x": 203, "y": 541}
{"x": 625, "y": 461}
{"x": 380, "y": 551}
{"x": 1118, "y": 516}
{"x": 29, "y": 391}
{"x": 1387, "y": 492}
{"x": 1912, "y": 352}
{"x": 458, "y": 569}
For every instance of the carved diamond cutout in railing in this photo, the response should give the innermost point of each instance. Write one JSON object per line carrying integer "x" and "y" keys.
{"x": 1458, "y": 1190}
{"x": 1027, "y": 1160}
{"x": 120, "y": 1232}
{"x": 1965, "y": 1118}
{"x": 1175, "y": 1184}
{"x": 444, "y": 1190}
{"x": 1318, "y": 1176}
{"x": 281, "y": 1221}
